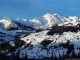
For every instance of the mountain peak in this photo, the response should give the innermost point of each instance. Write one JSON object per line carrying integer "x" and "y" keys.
{"x": 7, "y": 23}
{"x": 7, "y": 19}
{"x": 55, "y": 14}
{"x": 18, "y": 18}
{"x": 48, "y": 15}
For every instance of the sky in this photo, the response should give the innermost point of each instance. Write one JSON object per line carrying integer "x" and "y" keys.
{"x": 30, "y": 9}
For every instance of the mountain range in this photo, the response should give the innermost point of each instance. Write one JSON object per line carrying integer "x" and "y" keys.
{"x": 48, "y": 36}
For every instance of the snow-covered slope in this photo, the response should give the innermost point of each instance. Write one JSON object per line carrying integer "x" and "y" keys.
{"x": 40, "y": 45}
{"x": 6, "y": 35}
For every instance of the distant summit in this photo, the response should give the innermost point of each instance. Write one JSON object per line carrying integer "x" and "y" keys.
{"x": 7, "y": 23}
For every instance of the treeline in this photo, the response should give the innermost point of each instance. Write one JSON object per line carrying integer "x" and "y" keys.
{"x": 16, "y": 57}
{"x": 61, "y": 29}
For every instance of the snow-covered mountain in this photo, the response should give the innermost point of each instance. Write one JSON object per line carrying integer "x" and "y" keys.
{"x": 48, "y": 36}
{"x": 45, "y": 22}
{"x": 48, "y": 20}
{"x": 6, "y": 23}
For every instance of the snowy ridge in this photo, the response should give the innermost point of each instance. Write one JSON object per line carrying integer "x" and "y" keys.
{"x": 45, "y": 22}
{"x": 48, "y": 20}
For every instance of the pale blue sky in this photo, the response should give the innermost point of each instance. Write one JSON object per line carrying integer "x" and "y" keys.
{"x": 30, "y": 9}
